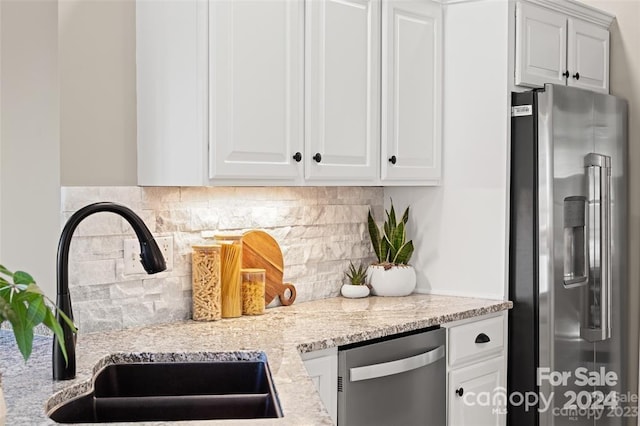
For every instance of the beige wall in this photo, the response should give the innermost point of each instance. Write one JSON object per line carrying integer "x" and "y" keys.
{"x": 30, "y": 160}
{"x": 97, "y": 92}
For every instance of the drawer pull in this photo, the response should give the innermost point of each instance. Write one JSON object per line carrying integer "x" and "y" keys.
{"x": 482, "y": 338}
{"x": 460, "y": 391}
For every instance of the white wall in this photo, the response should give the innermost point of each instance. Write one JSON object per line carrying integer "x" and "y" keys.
{"x": 97, "y": 92}
{"x": 459, "y": 228}
{"x": 625, "y": 82}
{"x": 29, "y": 133}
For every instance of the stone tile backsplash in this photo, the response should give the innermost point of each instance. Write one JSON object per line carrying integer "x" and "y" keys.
{"x": 319, "y": 229}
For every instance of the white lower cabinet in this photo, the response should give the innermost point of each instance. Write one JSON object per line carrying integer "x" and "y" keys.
{"x": 322, "y": 367}
{"x": 475, "y": 397}
{"x": 476, "y": 371}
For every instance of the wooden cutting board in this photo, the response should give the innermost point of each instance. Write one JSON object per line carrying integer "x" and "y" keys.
{"x": 261, "y": 250}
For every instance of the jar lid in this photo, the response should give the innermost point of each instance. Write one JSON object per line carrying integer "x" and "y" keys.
{"x": 227, "y": 237}
{"x": 205, "y": 246}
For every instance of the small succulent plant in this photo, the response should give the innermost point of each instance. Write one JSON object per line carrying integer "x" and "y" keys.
{"x": 357, "y": 275}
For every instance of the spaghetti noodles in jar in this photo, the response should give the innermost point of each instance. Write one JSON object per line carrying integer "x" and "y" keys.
{"x": 231, "y": 263}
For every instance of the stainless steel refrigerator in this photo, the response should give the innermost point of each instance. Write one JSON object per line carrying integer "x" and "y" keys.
{"x": 573, "y": 330}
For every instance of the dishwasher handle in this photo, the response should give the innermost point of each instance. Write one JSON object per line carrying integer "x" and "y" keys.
{"x": 390, "y": 368}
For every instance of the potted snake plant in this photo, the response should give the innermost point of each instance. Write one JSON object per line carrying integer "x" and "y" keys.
{"x": 391, "y": 275}
{"x": 25, "y": 306}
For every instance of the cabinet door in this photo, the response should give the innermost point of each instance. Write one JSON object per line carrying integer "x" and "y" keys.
{"x": 411, "y": 91}
{"x": 255, "y": 88}
{"x": 342, "y": 89}
{"x": 541, "y": 46}
{"x": 472, "y": 394}
{"x": 171, "y": 92}
{"x": 588, "y": 56}
{"x": 322, "y": 367}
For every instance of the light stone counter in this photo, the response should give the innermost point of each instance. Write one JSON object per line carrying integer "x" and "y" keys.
{"x": 282, "y": 333}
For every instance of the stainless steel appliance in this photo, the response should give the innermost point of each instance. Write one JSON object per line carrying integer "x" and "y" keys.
{"x": 397, "y": 381}
{"x": 573, "y": 329}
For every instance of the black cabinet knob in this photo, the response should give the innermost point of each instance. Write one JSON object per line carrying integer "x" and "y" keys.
{"x": 482, "y": 338}
{"x": 577, "y": 76}
{"x": 393, "y": 159}
{"x": 317, "y": 157}
{"x": 566, "y": 74}
{"x": 298, "y": 157}
{"x": 460, "y": 391}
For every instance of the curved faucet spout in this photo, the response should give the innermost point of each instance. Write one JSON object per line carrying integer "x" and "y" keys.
{"x": 150, "y": 257}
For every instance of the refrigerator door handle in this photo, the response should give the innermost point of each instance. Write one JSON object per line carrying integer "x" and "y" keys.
{"x": 596, "y": 324}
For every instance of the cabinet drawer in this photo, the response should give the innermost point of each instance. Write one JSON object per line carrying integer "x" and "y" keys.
{"x": 475, "y": 340}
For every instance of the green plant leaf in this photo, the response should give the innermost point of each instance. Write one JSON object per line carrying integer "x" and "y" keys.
{"x": 21, "y": 330}
{"x": 405, "y": 216}
{"x": 66, "y": 319}
{"x": 5, "y": 271}
{"x": 20, "y": 277}
{"x": 404, "y": 253}
{"x": 399, "y": 235}
{"x": 374, "y": 233}
{"x": 391, "y": 217}
{"x": 386, "y": 228}
{"x": 36, "y": 312}
{"x": 51, "y": 322}
{"x": 6, "y": 311}
{"x": 396, "y": 241}
{"x": 384, "y": 250}
{"x": 33, "y": 288}
{"x": 357, "y": 276}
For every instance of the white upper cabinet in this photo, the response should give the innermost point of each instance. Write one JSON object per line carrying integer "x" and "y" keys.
{"x": 541, "y": 56}
{"x": 554, "y": 46}
{"x": 342, "y": 89}
{"x": 588, "y": 56}
{"x": 289, "y": 92}
{"x": 220, "y": 92}
{"x": 411, "y": 92}
{"x": 171, "y": 92}
{"x": 255, "y": 89}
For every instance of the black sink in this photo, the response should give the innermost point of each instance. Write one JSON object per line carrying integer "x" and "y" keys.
{"x": 171, "y": 391}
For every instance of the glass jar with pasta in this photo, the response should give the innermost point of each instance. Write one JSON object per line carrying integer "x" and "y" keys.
{"x": 253, "y": 283}
{"x": 231, "y": 263}
{"x": 206, "y": 282}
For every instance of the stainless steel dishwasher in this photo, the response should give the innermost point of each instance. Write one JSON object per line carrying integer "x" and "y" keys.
{"x": 394, "y": 381}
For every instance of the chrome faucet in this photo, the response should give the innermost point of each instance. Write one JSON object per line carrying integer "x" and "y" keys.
{"x": 150, "y": 257}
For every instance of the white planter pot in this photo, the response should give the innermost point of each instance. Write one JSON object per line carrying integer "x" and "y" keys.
{"x": 354, "y": 291}
{"x": 398, "y": 280}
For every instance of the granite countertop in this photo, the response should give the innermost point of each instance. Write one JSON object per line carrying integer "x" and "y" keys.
{"x": 282, "y": 333}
